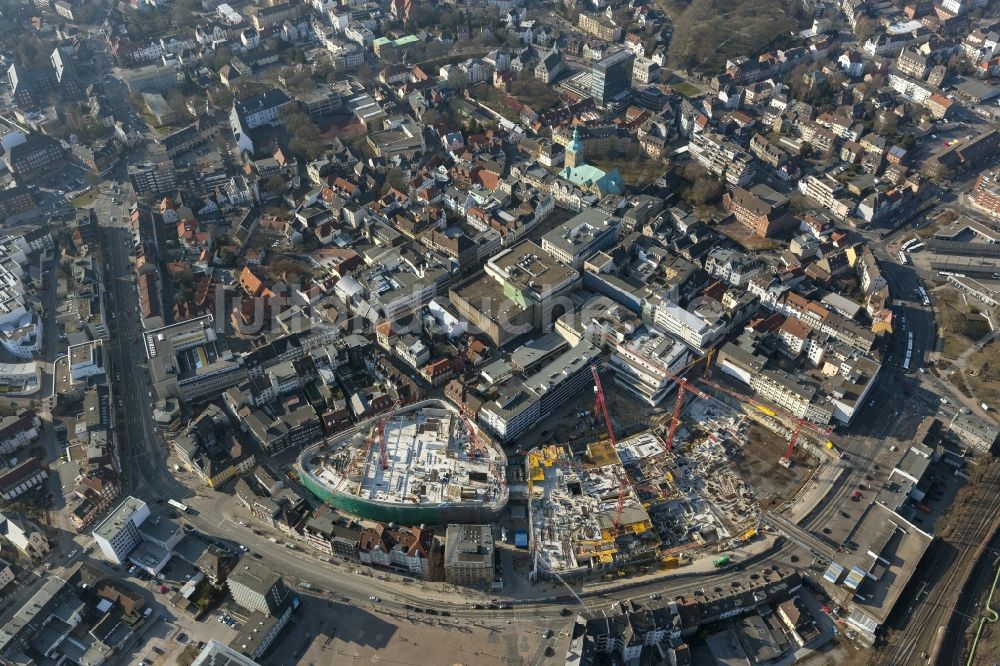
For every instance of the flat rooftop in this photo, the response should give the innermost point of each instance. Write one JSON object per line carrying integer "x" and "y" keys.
{"x": 581, "y": 230}
{"x": 888, "y": 550}
{"x": 529, "y": 266}
{"x": 116, "y": 520}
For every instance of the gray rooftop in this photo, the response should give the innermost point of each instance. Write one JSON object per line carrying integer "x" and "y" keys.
{"x": 255, "y": 576}
{"x": 117, "y": 519}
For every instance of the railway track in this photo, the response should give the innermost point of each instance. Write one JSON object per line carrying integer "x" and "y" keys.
{"x": 936, "y": 595}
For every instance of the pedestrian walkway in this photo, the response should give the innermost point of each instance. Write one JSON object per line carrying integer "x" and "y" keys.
{"x": 815, "y": 491}
{"x": 799, "y": 535}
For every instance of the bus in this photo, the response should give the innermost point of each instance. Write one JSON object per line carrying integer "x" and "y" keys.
{"x": 902, "y": 258}
{"x": 907, "y": 244}
{"x": 177, "y": 505}
{"x": 917, "y": 246}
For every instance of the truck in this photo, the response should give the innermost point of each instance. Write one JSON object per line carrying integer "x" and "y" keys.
{"x": 721, "y": 562}
{"x": 985, "y": 407}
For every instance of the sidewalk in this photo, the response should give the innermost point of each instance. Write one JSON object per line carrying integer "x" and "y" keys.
{"x": 815, "y": 490}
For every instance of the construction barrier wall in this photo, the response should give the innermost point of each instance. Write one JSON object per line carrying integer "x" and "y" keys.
{"x": 403, "y": 514}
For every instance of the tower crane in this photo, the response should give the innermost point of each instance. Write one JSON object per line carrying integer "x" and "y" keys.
{"x": 601, "y": 407}
{"x": 474, "y": 441}
{"x": 683, "y": 387}
{"x": 800, "y": 423}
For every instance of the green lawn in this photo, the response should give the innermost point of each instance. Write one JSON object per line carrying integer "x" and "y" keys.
{"x": 686, "y": 89}
{"x": 85, "y": 199}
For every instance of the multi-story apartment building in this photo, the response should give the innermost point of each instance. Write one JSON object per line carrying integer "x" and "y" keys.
{"x": 819, "y": 318}
{"x": 700, "y": 327}
{"x": 18, "y": 431}
{"x": 912, "y": 63}
{"x": 151, "y": 78}
{"x": 411, "y": 549}
{"x": 19, "y": 477}
{"x": 39, "y": 155}
{"x": 273, "y": 15}
{"x": 600, "y": 26}
{"x": 767, "y": 152}
{"x": 986, "y": 192}
{"x": 824, "y": 190}
{"x": 723, "y": 158}
{"x": 911, "y": 89}
{"x": 118, "y": 534}
{"x": 154, "y": 178}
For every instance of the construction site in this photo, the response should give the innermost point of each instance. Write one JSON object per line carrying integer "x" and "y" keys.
{"x": 426, "y": 463}
{"x": 584, "y": 515}
{"x": 697, "y": 482}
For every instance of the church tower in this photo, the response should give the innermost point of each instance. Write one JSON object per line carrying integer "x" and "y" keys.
{"x": 574, "y": 151}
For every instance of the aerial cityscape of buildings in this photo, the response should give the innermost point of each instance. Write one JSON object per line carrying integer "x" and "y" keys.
{"x": 591, "y": 332}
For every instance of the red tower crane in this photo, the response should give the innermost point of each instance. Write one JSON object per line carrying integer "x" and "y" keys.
{"x": 475, "y": 443}
{"x": 601, "y": 407}
{"x": 800, "y": 423}
{"x": 683, "y": 386}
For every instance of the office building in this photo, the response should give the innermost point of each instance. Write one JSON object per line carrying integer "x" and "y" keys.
{"x": 643, "y": 366}
{"x": 581, "y": 236}
{"x": 14, "y": 200}
{"x": 611, "y": 79}
{"x": 519, "y": 407}
{"x": 118, "y": 534}
{"x": 257, "y": 587}
{"x": 189, "y": 360}
{"x": 469, "y": 556}
{"x": 36, "y": 157}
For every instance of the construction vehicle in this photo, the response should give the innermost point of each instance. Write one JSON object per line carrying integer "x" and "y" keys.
{"x": 721, "y": 562}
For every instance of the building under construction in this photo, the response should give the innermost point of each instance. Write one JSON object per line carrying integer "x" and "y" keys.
{"x": 424, "y": 464}
{"x": 584, "y": 514}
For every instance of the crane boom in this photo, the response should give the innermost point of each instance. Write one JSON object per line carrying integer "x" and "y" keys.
{"x": 600, "y": 405}
{"x": 800, "y": 422}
